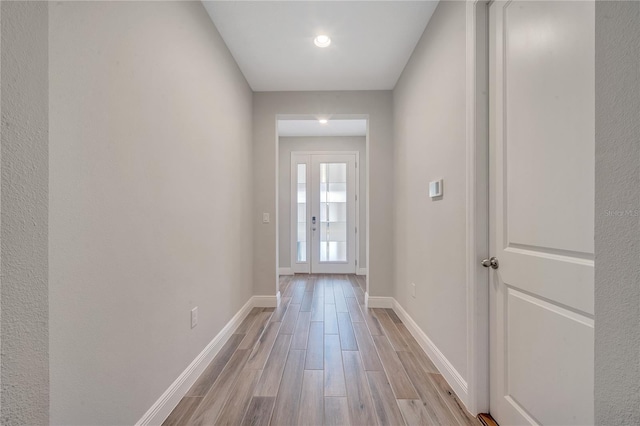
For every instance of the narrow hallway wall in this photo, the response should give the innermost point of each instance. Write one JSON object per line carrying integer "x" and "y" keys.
{"x": 150, "y": 201}
{"x": 24, "y": 331}
{"x": 429, "y": 130}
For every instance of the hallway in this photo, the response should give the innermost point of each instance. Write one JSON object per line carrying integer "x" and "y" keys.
{"x": 321, "y": 358}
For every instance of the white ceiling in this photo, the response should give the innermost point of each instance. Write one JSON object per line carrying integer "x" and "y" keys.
{"x": 272, "y": 41}
{"x": 315, "y": 128}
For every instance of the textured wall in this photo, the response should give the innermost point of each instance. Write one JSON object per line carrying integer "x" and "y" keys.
{"x": 150, "y": 201}
{"x": 378, "y": 105}
{"x": 429, "y": 128}
{"x": 23, "y": 216}
{"x": 617, "y": 233}
{"x": 335, "y": 143}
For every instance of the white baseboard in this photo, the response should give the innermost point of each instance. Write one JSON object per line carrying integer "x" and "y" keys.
{"x": 161, "y": 409}
{"x": 378, "y": 302}
{"x": 361, "y": 271}
{"x": 265, "y": 301}
{"x": 448, "y": 371}
{"x": 285, "y": 271}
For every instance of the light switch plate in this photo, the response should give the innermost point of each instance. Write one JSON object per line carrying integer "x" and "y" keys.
{"x": 265, "y": 217}
{"x": 194, "y": 317}
{"x": 435, "y": 188}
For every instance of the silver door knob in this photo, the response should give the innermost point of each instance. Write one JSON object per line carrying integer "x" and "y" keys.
{"x": 492, "y": 261}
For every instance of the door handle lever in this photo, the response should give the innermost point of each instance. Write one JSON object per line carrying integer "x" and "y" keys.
{"x": 491, "y": 262}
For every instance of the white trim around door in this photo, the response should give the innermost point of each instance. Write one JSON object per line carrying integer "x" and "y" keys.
{"x": 477, "y": 205}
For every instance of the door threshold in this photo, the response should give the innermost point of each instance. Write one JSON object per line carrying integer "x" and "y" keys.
{"x": 487, "y": 420}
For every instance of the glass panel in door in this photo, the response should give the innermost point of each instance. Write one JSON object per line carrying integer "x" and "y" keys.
{"x": 333, "y": 212}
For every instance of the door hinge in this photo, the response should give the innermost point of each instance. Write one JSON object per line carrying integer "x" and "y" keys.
{"x": 356, "y": 164}
{"x": 356, "y": 197}
{"x": 356, "y": 262}
{"x": 356, "y": 229}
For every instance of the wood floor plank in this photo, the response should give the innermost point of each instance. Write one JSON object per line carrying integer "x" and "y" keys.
{"x": 334, "y": 381}
{"x": 318, "y": 287}
{"x": 387, "y": 411}
{"x": 328, "y": 292}
{"x": 213, "y": 370}
{"x": 272, "y": 373}
{"x": 315, "y": 347}
{"x": 359, "y": 296}
{"x": 338, "y": 294}
{"x": 390, "y": 330}
{"x": 354, "y": 310}
{"x": 183, "y": 411}
{"x": 310, "y": 283}
{"x": 311, "y": 411}
{"x": 400, "y": 383}
{"x": 361, "y": 409}
{"x": 301, "y": 333}
{"x": 452, "y": 401}
{"x": 372, "y": 322}
{"x": 259, "y": 411}
{"x": 288, "y": 400}
{"x": 435, "y": 405}
{"x": 262, "y": 348}
{"x": 394, "y": 317}
{"x": 414, "y": 412}
{"x": 330, "y": 319}
{"x": 289, "y": 285}
{"x": 370, "y": 358}
{"x": 336, "y": 411}
{"x": 347, "y": 336}
{"x": 347, "y": 289}
{"x": 249, "y": 319}
{"x": 289, "y": 320}
{"x": 239, "y": 398}
{"x": 281, "y": 310}
{"x": 255, "y": 331}
{"x": 317, "y": 308}
{"x": 417, "y": 351}
{"x": 208, "y": 410}
{"x": 307, "y": 301}
{"x": 298, "y": 293}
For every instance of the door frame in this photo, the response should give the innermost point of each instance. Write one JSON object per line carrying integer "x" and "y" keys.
{"x": 293, "y": 207}
{"x": 477, "y": 205}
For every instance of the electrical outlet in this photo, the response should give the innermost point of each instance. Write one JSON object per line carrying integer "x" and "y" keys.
{"x": 265, "y": 217}
{"x": 413, "y": 289}
{"x": 194, "y": 317}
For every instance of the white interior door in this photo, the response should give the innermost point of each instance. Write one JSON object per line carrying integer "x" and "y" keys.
{"x": 542, "y": 212}
{"x": 323, "y": 214}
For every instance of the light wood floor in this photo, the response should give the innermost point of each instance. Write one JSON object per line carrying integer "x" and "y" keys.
{"x": 321, "y": 359}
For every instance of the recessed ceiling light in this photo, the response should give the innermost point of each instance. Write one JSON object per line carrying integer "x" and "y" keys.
{"x": 323, "y": 121}
{"x": 322, "y": 41}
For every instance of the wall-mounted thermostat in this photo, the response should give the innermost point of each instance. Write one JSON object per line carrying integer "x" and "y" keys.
{"x": 435, "y": 188}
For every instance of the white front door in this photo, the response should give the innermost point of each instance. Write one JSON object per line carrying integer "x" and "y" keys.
{"x": 542, "y": 212}
{"x": 323, "y": 213}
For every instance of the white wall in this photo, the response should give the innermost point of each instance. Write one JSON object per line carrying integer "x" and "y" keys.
{"x": 24, "y": 325}
{"x": 378, "y": 106}
{"x": 617, "y": 225}
{"x": 325, "y": 143}
{"x": 150, "y": 201}
{"x": 429, "y": 120}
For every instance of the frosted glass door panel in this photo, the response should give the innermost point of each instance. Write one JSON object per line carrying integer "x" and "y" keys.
{"x": 332, "y": 251}
{"x": 337, "y": 212}
{"x": 301, "y": 245}
{"x": 333, "y": 226}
